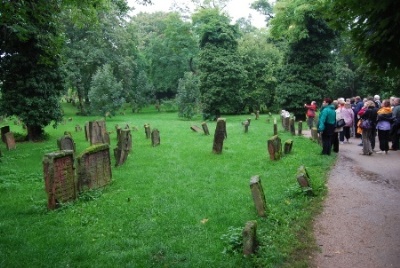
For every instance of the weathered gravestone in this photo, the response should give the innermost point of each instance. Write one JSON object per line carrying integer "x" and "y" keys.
{"x": 98, "y": 132}
{"x": 205, "y": 128}
{"x": 288, "y": 146}
{"x": 219, "y": 136}
{"x": 147, "y": 131}
{"x": 249, "y": 235}
{"x": 59, "y": 178}
{"x": 4, "y": 130}
{"x": 94, "y": 167}
{"x": 10, "y": 141}
{"x": 257, "y": 115}
{"x": 66, "y": 143}
{"x": 155, "y": 137}
{"x": 291, "y": 126}
{"x": 300, "y": 128}
{"x": 124, "y": 146}
{"x": 258, "y": 196}
{"x": 78, "y": 128}
{"x": 303, "y": 179}
{"x": 275, "y": 127}
{"x": 195, "y": 128}
{"x": 275, "y": 148}
{"x": 246, "y": 125}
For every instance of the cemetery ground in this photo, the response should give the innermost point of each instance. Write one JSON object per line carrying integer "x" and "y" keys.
{"x": 173, "y": 205}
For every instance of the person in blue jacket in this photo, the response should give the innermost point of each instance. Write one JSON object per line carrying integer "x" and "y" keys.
{"x": 326, "y": 125}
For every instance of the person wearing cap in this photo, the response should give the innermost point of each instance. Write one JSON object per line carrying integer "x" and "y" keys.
{"x": 326, "y": 125}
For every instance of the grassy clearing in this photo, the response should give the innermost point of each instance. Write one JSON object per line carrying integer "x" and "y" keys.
{"x": 175, "y": 205}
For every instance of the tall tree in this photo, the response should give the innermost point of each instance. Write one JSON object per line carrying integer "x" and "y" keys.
{"x": 30, "y": 63}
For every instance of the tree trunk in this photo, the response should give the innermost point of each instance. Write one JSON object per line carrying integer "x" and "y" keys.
{"x": 35, "y": 133}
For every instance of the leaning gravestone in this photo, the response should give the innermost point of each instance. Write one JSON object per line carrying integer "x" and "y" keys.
{"x": 205, "y": 128}
{"x": 66, "y": 143}
{"x": 124, "y": 146}
{"x": 258, "y": 196}
{"x": 59, "y": 178}
{"x": 4, "y": 130}
{"x": 10, "y": 141}
{"x": 94, "y": 167}
{"x": 219, "y": 136}
{"x": 304, "y": 179}
{"x": 195, "y": 128}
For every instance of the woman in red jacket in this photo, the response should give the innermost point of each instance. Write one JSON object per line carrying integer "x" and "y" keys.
{"x": 311, "y": 109}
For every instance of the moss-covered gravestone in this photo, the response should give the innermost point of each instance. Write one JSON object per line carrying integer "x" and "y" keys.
{"x": 94, "y": 167}
{"x": 219, "y": 136}
{"x": 124, "y": 146}
{"x": 205, "y": 128}
{"x": 257, "y": 192}
{"x": 275, "y": 148}
{"x": 59, "y": 178}
{"x": 155, "y": 137}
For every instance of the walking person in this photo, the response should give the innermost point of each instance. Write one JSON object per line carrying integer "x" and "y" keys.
{"x": 338, "y": 130}
{"x": 348, "y": 116}
{"x": 311, "y": 109}
{"x": 383, "y": 126}
{"x": 395, "y": 135}
{"x": 326, "y": 125}
{"x": 358, "y": 105}
{"x": 369, "y": 114}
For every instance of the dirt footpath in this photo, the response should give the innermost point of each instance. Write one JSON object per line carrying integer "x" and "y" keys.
{"x": 360, "y": 222}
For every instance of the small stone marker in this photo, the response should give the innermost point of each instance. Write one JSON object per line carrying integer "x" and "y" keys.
{"x": 246, "y": 125}
{"x": 249, "y": 235}
{"x": 205, "y": 128}
{"x": 300, "y": 128}
{"x": 10, "y": 141}
{"x": 195, "y": 128}
{"x": 66, "y": 143}
{"x": 155, "y": 137}
{"x": 78, "y": 128}
{"x": 291, "y": 126}
{"x": 4, "y": 130}
{"x": 147, "y": 131}
{"x": 258, "y": 196}
{"x": 59, "y": 178}
{"x": 275, "y": 148}
{"x": 219, "y": 136}
{"x": 288, "y": 146}
{"x": 275, "y": 127}
{"x": 257, "y": 115}
{"x": 303, "y": 179}
{"x": 124, "y": 146}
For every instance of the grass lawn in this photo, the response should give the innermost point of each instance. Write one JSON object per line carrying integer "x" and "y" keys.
{"x": 174, "y": 205}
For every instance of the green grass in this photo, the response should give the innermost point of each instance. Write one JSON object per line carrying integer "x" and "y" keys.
{"x": 153, "y": 214}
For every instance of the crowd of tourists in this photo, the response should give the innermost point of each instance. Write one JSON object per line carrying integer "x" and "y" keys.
{"x": 363, "y": 119}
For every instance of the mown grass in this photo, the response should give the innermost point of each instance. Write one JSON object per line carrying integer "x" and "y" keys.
{"x": 175, "y": 205}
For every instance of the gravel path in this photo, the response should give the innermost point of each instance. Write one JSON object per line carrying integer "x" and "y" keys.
{"x": 360, "y": 222}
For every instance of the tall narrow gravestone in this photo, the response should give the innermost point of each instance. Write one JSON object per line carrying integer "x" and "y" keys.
{"x": 124, "y": 146}
{"x": 219, "y": 136}
{"x": 10, "y": 141}
{"x": 94, "y": 167}
{"x": 155, "y": 137}
{"x": 98, "y": 132}
{"x": 59, "y": 178}
{"x": 4, "y": 130}
{"x": 205, "y": 128}
{"x": 258, "y": 196}
{"x": 275, "y": 148}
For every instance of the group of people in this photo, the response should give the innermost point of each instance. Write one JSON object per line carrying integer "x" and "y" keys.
{"x": 363, "y": 118}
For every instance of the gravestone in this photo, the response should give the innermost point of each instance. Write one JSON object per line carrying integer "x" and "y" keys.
{"x": 124, "y": 146}
{"x": 147, "y": 131}
{"x": 219, "y": 136}
{"x": 98, "y": 132}
{"x": 291, "y": 126}
{"x": 275, "y": 148}
{"x": 205, "y": 128}
{"x": 155, "y": 137}
{"x": 257, "y": 115}
{"x": 195, "y": 128}
{"x": 66, "y": 143}
{"x": 78, "y": 128}
{"x": 275, "y": 127}
{"x": 249, "y": 235}
{"x": 94, "y": 167}
{"x": 10, "y": 141}
{"x": 288, "y": 147}
{"x": 300, "y": 128}
{"x": 87, "y": 131}
{"x": 4, "y": 130}
{"x": 59, "y": 178}
{"x": 246, "y": 125}
{"x": 258, "y": 196}
{"x": 303, "y": 179}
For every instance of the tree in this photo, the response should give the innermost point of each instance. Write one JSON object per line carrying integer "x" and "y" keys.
{"x": 222, "y": 73}
{"x": 105, "y": 95}
{"x": 188, "y": 97}
{"x": 32, "y": 81}
{"x": 143, "y": 94}
{"x": 373, "y": 27}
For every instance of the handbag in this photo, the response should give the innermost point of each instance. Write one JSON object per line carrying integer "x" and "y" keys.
{"x": 340, "y": 123}
{"x": 366, "y": 124}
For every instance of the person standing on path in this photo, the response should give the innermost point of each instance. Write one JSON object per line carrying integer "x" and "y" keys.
{"x": 311, "y": 109}
{"x": 326, "y": 125}
{"x": 348, "y": 116}
{"x": 395, "y": 127}
{"x": 383, "y": 126}
{"x": 368, "y": 134}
